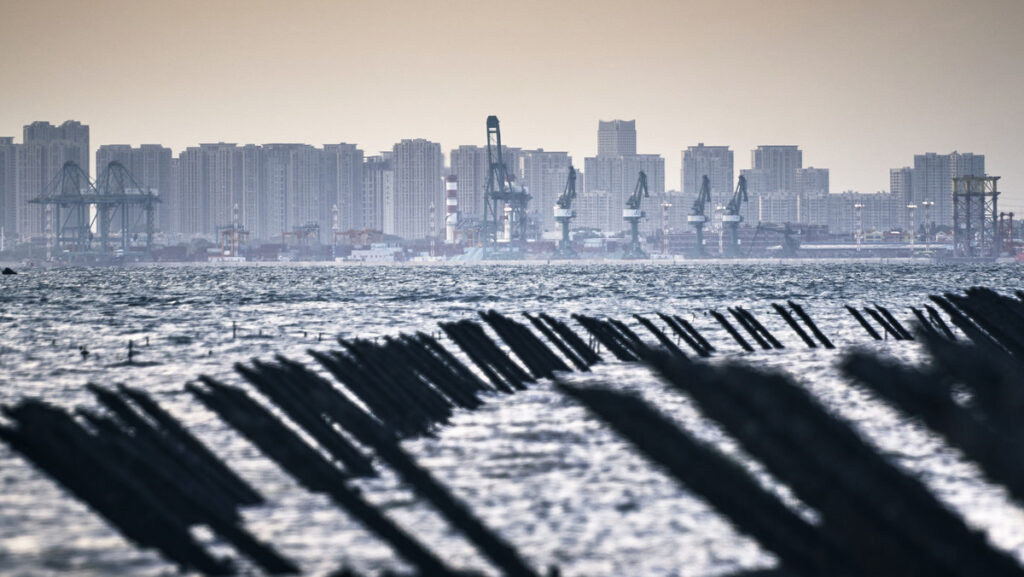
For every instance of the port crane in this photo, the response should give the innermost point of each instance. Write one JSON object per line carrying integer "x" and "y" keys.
{"x": 698, "y": 214}
{"x": 564, "y": 215}
{"x": 503, "y": 198}
{"x": 732, "y": 218}
{"x": 83, "y": 210}
{"x": 632, "y": 214}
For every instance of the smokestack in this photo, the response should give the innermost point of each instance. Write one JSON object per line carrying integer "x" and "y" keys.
{"x": 451, "y": 219}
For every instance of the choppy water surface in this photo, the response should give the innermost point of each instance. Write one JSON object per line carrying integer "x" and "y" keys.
{"x": 553, "y": 480}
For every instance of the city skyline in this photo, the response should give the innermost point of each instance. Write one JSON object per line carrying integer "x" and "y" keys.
{"x": 274, "y": 188}
{"x": 858, "y": 86}
{"x": 513, "y": 155}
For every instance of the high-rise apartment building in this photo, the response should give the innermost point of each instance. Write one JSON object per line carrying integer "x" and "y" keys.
{"x": 759, "y": 180}
{"x": 901, "y": 187}
{"x": 209, "y": 192}
{"x": 933, "y": 180}
{"x": 776, "y": 207}
{"x": 291, "y": 190}
{"x": 113, "y": 153}
{"x": 276, "y": 160}
{"x": 252, "y": 211}
{"x": 270, "y": 189}
{"x": 8, "y": 182}
{"x": 594, "y": 209}
{"x": 544, "y": 174}
{"x": 222, "y": 178}
{"x": 303, "y": 192}
{"x": 40, "y": 157}
{"x": 616, "y": 138}
{"x": 616, "y": 168}
{"x": 901, "y": 183}
{"x": 378, "y": 192}
{"x": 808, "y": 184}
{"x": 189, "y": 215}
{"x": 150, "y": 164}
{"x": 811, "y": 181}
{"x": 715, "y": 162}
{"x": 470, "y": 164}
{"x": 173, "y": 234}
{"x": 966, "y": 164}
{"x": 618, "y": 177}
{"x": 781, "y": 162}
{"x": 418, "y": 166}
{"x": 879, "y": 212}
{"x": 342, "y": 182}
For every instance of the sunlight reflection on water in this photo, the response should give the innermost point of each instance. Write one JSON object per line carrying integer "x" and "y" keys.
{"x": 535, "y": 466}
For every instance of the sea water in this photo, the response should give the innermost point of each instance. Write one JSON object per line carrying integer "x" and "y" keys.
{"x": 553, "y": 480}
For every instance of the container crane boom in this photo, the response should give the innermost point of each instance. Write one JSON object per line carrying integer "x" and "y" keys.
{"x": 732, "y": 218}
{"x": 503, "y": 198}
{"x": 739, "y": 197}
{"x": 565, "y": 200}
{"x": 632, "y": 214}
{"x": 564, "y": 215}
{"x": 640, "y": 192}
{"x": 697, "y": 217}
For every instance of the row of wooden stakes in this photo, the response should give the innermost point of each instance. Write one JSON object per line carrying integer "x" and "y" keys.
{"x": 140, "y": 468}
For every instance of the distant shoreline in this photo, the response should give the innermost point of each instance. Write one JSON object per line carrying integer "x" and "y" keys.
{"x": 19, "y": 267}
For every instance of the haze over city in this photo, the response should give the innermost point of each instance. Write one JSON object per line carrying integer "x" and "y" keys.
{"x": 534, "y": 288}
{"x": 861, "y": 87}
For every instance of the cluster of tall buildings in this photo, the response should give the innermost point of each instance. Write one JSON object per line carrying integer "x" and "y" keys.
{"x": 28, "y": 167}
{"x": 542, "y": 172}
{"x": 611, "y": 177}
{"x": 931, "y": 180}
{"x": 274, "y": 189}
{"x": 780, "y": 189}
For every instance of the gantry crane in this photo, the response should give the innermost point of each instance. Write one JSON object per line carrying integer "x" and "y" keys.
{"x": 732, "y": 218}
{"x": 503, "y": 198}
{"x": 632, "y": 214}
{"x": 698, "y": 215}
{"x": 564, "y": 215}
{"x": 83, "y": 210}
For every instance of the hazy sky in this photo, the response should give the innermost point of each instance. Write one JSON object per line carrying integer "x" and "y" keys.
{"x": 861, "y": 86}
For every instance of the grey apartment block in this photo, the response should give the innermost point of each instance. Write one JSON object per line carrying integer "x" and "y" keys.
{"x": 378, "y": 192}
{"x": 808, "y": 184}
{"x": 716, "y": 162}
{"x": 469, "y": 164}
{"x": 544, "y": 173}
{"x": 879, "y": 212}
{"x": 933, "y": 176}
{"x": 901, "y": 186}
{"x": 342, "y": 182}
{"x": 418, "y": 167}
{"x": 209, "y": 192}
{"x": 150, "y": 164}
{"x": 616, "y": 138}
{"x": 615, "y": 171}
{"x": 8, "y": 183}
{"x": 38, "y": 160}
{"x": 780, "y": 162}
